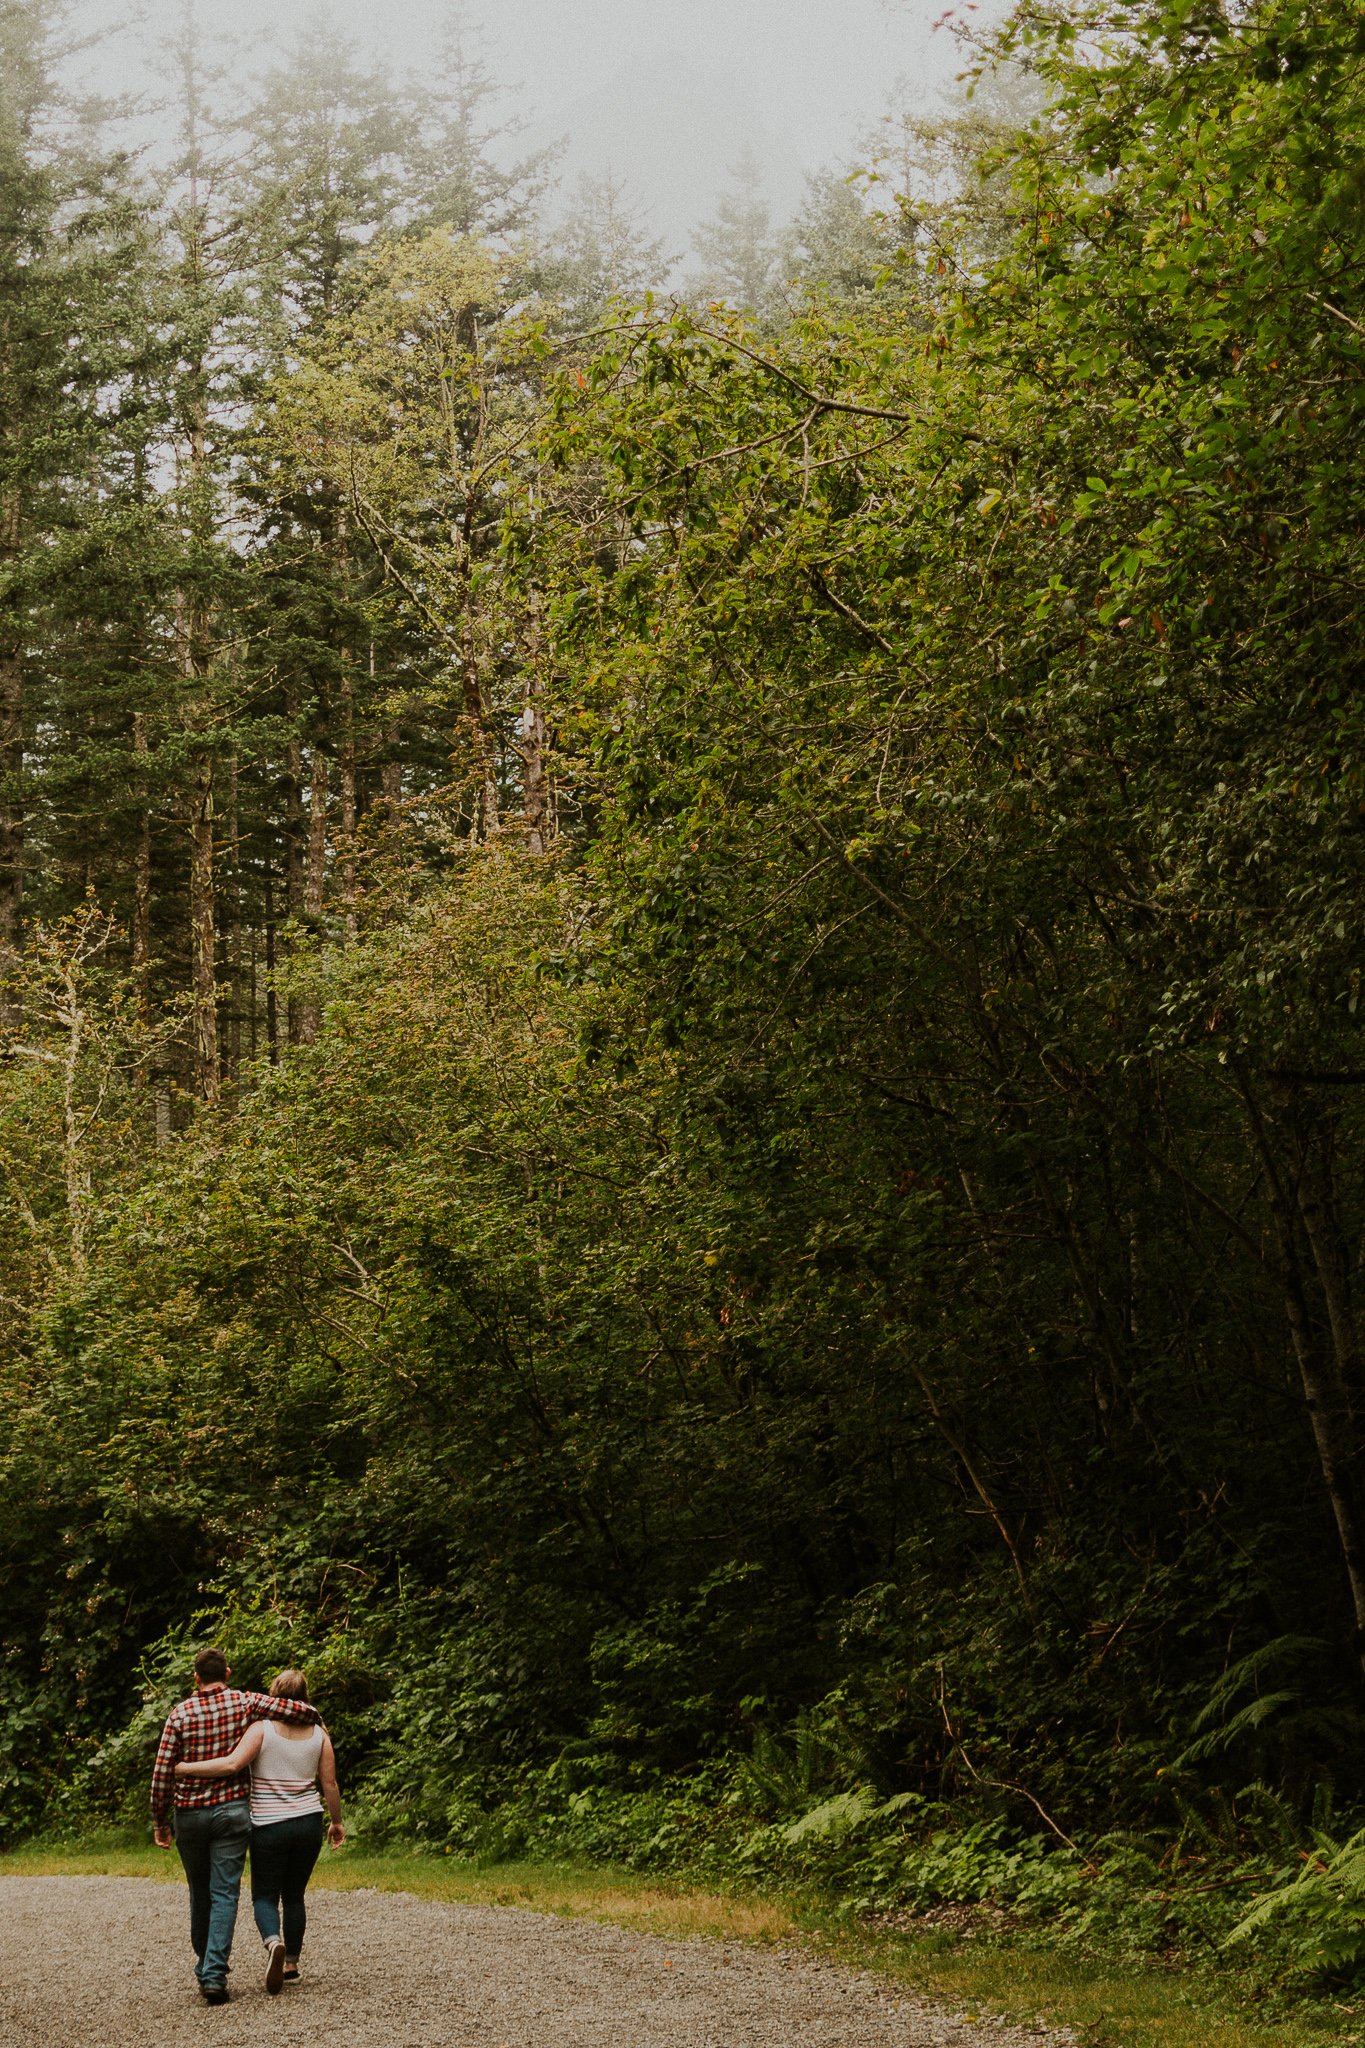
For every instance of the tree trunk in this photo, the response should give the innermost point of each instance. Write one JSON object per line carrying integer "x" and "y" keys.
{"x": 142, "y": 874}
{"x": 535, "y": 793}
{"x": 11, "y": 800}
{"x": 315, "y": 888}
{"x": 1323, "y": 1370}
{"x": 953, "y": 1438}
{"x": 1322, "y": 1227}
{"x": 272, "y": 1013}
{"x": 191, "y": 606}
{"x": 391, "y": 771}
{"x": 235, "y": 949}
{"x": 203, "y": 937}
{"x": 293, "y": 830}
{"x": 11, "y": 777}
{"x": 476, "y": 715}
{"x": 314, "y": 895}
{"x": 349, "y": 814}
{"x": 254, "y": 997}
{"x": 76, "y": 1172}
{"x": 1334, "y": 1435}
{"x": 293, "y": 855}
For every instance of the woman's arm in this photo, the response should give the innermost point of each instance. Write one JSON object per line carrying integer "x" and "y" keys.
{"x": 331, "y": 1792}
{"x": 224, "y": 1766}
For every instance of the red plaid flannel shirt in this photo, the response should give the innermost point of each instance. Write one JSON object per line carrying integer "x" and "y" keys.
{"x": 208, "y": 1724}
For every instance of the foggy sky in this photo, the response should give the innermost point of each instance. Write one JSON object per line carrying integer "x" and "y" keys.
{"x": 662, "y": 92}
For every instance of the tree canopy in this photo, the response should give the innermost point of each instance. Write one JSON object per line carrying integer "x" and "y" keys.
{"x": 686, "y": 1045}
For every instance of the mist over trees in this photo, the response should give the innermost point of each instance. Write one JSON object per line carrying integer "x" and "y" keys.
{"x": 679, "y": 976}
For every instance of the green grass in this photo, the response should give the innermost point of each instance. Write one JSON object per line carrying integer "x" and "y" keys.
{"x": 1107, "y": 2002}
{"x": 1111, "y": 2004}
{"x": 619, "y": 1896}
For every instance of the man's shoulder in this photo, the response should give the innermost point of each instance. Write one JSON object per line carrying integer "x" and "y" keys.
{"x": 201, "y": 1705}
{"x": 243, "y": 1701}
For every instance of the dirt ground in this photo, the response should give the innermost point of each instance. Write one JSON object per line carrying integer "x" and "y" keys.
{"x": 104, "y": 1962}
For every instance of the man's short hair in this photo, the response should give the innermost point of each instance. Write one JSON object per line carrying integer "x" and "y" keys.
{"x": 210, "y": 1667}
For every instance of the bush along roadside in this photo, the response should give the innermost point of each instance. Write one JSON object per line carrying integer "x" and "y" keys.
{"x": 1242, "y": 1892}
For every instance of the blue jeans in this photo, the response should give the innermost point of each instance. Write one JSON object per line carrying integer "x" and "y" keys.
{"x": 283, "y": 1853}
{"x": 212, "y": 1842}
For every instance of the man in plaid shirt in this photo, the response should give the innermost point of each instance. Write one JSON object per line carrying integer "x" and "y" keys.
{"x": 212, "y": 1815}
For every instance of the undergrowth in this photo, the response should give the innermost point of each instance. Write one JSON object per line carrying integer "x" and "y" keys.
{"x": 1243, "y": 1891}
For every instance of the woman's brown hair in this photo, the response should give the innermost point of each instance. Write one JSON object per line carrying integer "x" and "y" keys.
{"x": 289, "y": 1685}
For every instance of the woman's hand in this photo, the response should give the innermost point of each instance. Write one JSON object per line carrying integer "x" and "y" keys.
{"x": 327, "y": 1778}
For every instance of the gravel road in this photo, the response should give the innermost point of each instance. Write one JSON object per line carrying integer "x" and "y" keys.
{"x": 104, "y": 1962}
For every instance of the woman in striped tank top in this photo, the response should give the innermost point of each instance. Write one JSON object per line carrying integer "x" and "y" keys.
{"x": 287, "y": 1766}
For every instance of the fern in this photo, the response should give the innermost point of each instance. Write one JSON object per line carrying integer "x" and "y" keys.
{"x": 1247, "y": 1718}
{"x": 1330, "y": 1887}
{"x": 1279, "y": 1826}
{"x": 1222, "y": 1721}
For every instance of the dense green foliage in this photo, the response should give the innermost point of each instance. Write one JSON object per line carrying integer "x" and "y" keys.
{"x": 794, "y": 1266}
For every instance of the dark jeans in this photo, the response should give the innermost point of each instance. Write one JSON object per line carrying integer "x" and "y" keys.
{"x": 212, "y": 1841}
{"x": 282, "y": 1858}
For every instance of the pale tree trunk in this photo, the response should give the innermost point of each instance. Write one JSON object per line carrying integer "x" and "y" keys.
{"x": 346, "y": 754}
{"x": 293, "y": 830}
{"x": 314, "y": 898}
{"x": 391, "y": 765}
{"x": 11, "y": 802}
{"x": 142, "y": 926}
{"x": 203, "y": 909}
{"x": 349, "y": 813}
{"x": 534, "y": 782}
{"x": 391, "y": 772}
{"x": 142, "y": 874}
{"x": 272, "y": 1014}
{"x": 315, "y": 884}
{"x": 203, "y": 938}
{"x": 192, "y": 627}
{"x": 465, "y": 435}
{"x": 76, "y": 1170}
{"x": 476, "y": 714}
{"x": 236, "y": 956}
{"x": 293, "y": 857}
{"x": 11, "y": 774}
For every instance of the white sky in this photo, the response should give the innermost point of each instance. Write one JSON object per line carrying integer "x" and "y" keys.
{"x": 662, "y": 92}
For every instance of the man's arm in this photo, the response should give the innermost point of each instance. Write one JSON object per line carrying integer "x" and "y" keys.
{"x": 163, "y": 1782}
{"x": 264, "y": 1706}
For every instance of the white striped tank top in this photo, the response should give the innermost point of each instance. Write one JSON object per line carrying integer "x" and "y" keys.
{"x": 284, "y": 1776}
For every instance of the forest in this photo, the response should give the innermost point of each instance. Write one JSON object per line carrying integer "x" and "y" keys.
{"x": 680, "y": 1059}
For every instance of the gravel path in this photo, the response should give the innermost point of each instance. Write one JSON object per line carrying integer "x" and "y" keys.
{"x": 104, "y": 1962}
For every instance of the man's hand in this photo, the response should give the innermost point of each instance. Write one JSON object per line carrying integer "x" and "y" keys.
{"x": 162, "y": 1836}
{"x": 336, "y": 1833}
